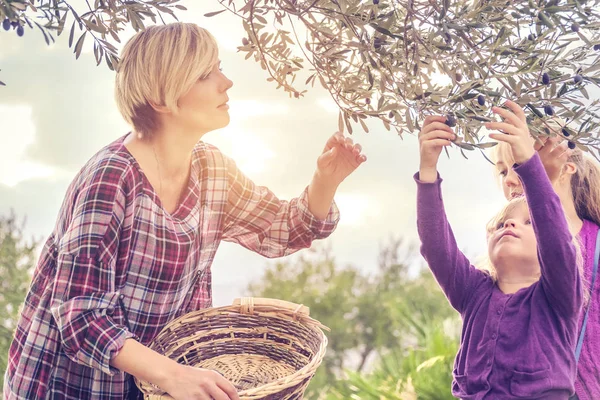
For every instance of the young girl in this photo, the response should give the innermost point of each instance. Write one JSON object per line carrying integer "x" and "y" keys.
{"x": 139, "y": 228}
{"x": 520, "y": 330}
{"x": 576, "y": 180}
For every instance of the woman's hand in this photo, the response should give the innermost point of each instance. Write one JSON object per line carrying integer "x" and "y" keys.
{"x": 190, "y": 383}
{"x": 339, "y": 159}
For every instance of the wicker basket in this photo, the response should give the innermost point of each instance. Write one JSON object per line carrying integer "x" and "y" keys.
{"x": 268, "y": 349}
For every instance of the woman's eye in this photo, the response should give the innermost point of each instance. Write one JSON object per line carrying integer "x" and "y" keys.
{"x": 500, "y": 225}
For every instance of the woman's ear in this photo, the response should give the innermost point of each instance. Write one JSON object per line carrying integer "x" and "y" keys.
{"x": 159, "y": 109}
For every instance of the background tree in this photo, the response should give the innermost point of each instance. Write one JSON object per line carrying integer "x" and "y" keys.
{"x": 422, "y": 371}
{"x": 368, "y": 314}
{"x": 98, "y": 20}
{"x": 400, "y": 60}
{"x": 17, "y": 260}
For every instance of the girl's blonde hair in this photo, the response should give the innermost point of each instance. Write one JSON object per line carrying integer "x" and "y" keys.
{"x": 159, "y": 65}
{"x": 585, "y": 186}
{"x": 502, "y": 216}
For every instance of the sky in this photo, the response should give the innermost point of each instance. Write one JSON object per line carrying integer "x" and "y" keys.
{"x": 56, "y": 112}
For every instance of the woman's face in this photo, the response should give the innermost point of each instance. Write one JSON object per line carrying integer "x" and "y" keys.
{"x": 204, "y": 107}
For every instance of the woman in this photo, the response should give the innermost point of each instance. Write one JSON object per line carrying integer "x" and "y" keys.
{"x": 139, "y": 228}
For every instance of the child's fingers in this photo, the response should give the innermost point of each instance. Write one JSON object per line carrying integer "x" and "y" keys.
{"x": 517, "y": 110}
{"x": 504, "y": 127}
{"x": 560, "y": 145}
{"x": 540, "y": 142}
{"x": 561, "y": 151}
{"x": 564, "y": 156}
{"x": 548, "y": 147}
{"x": 433, "y": 118}
{"x": 508, "y": 116}
{"x": 437, "y": 143}
{"x": 437, "y": 134}
{"x": 556, "y": 154}
{"x": 436, "y": 126}
{"x": 555, "y": 148}
{"x": 555, "y": 141}
{"x": 501, "y": 137}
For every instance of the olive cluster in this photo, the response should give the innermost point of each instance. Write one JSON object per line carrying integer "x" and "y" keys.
{"x": 7, "y": 24}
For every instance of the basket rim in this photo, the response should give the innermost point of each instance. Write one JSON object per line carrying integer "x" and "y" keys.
{"x": 264, "y": 310}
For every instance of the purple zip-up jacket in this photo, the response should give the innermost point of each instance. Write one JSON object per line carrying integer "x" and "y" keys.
{"x": 513, "y": 346}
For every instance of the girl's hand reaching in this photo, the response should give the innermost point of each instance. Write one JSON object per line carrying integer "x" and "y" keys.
{"x": 515, "y": 131}
{"x": 554, "y": 154}
{"x": 434, "y": 136}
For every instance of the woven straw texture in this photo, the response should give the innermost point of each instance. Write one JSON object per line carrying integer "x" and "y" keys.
{"x": 268, "y": 349}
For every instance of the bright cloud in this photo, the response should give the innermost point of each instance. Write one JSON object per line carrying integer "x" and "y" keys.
{"x": 242, "y": 109}
{"x": 327, "y": 104}
{"x": 356, "y": 209}
{"x": 251, "y": 154}
{"x": 18, "y": 132}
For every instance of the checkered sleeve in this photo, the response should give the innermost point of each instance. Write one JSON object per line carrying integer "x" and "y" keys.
{"x": 85, "y": 302}
{"x": 259, "y": 221}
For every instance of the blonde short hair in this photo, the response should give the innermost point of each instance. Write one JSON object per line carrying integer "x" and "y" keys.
{"x": 158, "y": 65}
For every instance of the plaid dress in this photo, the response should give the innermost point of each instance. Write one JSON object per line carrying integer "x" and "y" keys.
{"x": 118, "y": 266}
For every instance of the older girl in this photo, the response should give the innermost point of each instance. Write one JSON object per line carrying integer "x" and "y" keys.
{"x": 576, "y": 180}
